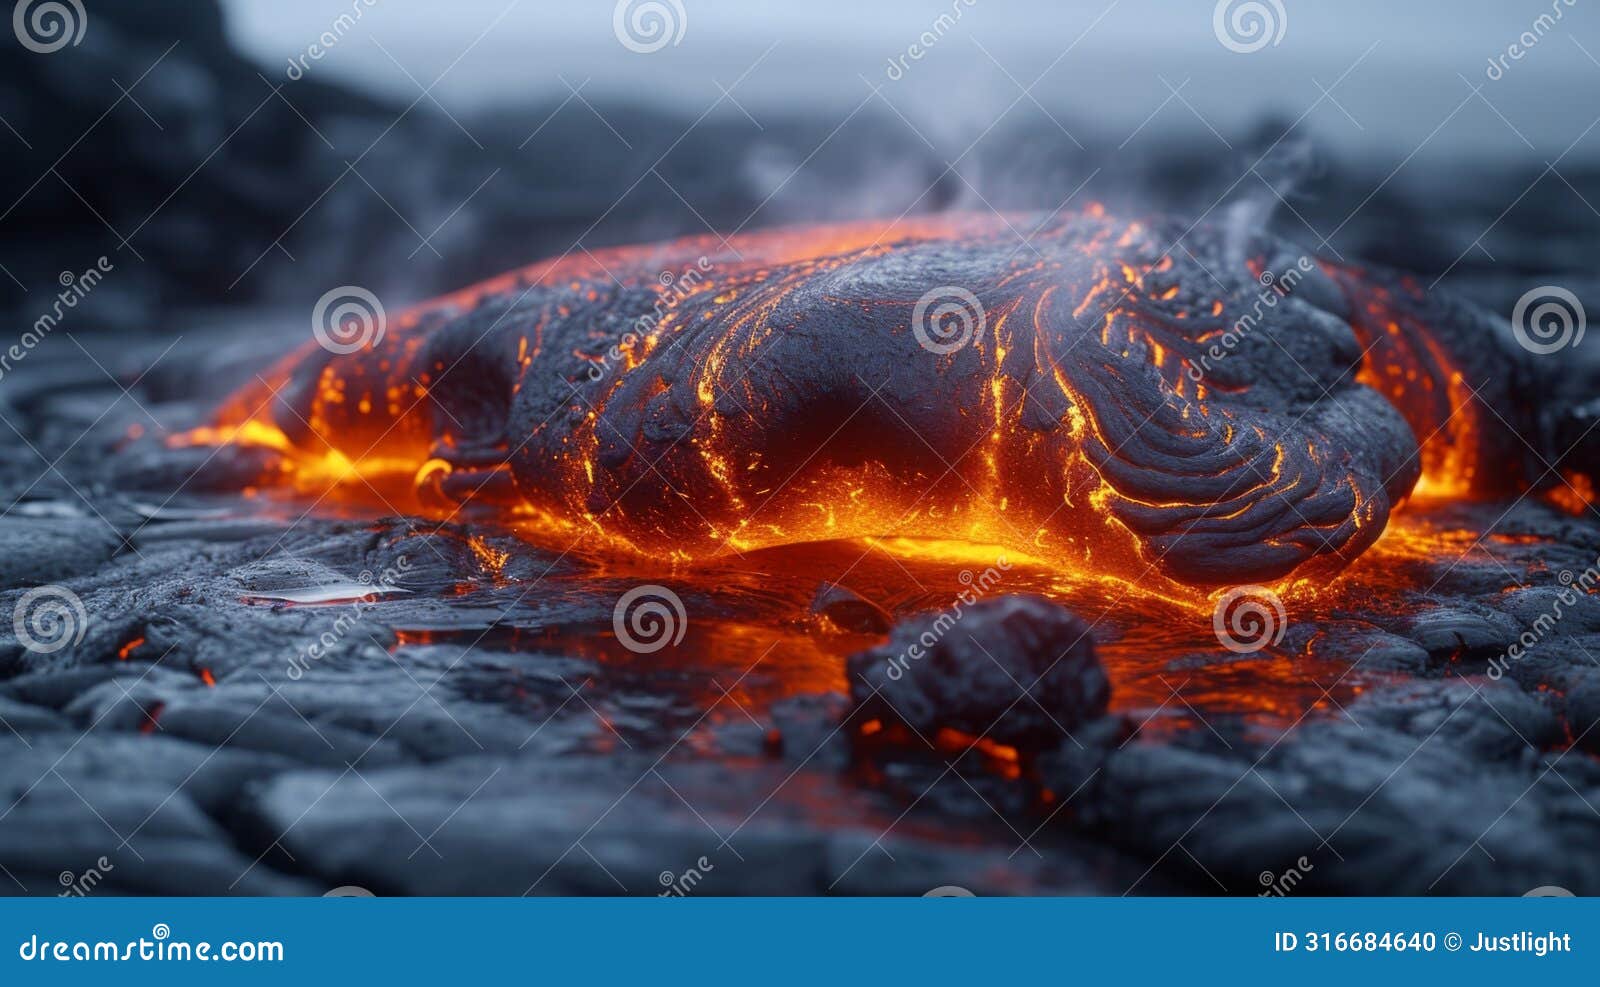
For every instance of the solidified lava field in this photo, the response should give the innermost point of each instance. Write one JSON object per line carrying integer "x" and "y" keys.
{"x": 1126, "y": 547}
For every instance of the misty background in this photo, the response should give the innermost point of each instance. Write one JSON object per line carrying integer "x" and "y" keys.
{"x": 1426, "y": 56}
{"x": 248, "y": 154}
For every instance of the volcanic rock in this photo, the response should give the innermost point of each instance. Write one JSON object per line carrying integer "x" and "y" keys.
{"x": 1019, "y": 670}
{"x": 1188, "y": 418}
{"x": 1419, "y": 790}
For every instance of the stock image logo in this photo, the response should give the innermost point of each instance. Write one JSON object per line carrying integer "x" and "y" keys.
{"x": 80, "y": 885}
{"x": 1548, "y": 319}
{"x": 680, "y": 885}
{"x": 75, "y": 287}
{"x": 645, "y": 26}
{"x": 1249, "y": 618}
{"x": 1274, "y": 289}
{"x": 672, "y": 289}
{"x": 925, "y": 42}
{"x": 160, "y": 947}
{"x": 1246, "y": 26}
{"x": 649, "y": 618}
{"x": 1544, "y": 23}
{"x": 348, "y": 319}
{"x": 49, "y": 618}
{"x": 331, "y": 37}
{"x": 947, "y": 318}
{"x": 45, "y": 26}
{"x": 1278, "y": 885}
{"x": 370, "y": 587}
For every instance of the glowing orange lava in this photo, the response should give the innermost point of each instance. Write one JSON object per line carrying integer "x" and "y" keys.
{"x": 1043, "y": 447}
{"x": 1408, "y": 366}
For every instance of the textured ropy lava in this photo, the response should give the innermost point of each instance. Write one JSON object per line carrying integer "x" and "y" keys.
{"x": 1141, "y": 399}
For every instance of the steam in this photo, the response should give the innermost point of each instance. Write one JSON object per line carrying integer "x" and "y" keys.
{"x": 1279, "y": 172}
{"x": 874, "y": 167}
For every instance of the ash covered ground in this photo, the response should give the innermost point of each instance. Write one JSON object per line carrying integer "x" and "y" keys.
{"x": 276, "y": 696}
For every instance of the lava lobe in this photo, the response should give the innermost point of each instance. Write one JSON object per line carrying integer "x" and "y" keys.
{"x": 1094, "y": 394}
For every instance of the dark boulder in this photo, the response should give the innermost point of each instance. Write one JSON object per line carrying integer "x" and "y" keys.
{"x": 1017, "y": 670}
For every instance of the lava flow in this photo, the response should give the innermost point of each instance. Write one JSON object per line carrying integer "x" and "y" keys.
{"x": 1234, "y": 411}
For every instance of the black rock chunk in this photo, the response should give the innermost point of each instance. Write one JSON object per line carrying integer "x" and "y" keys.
{"x": 1460, "y": 632}
{"x": 1015, "y": 669}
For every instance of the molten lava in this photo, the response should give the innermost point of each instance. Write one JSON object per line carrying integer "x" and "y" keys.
{"x": 1231, "y": 412}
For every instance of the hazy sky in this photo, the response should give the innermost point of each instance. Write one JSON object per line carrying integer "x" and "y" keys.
{"x": 1420, "y": 60}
